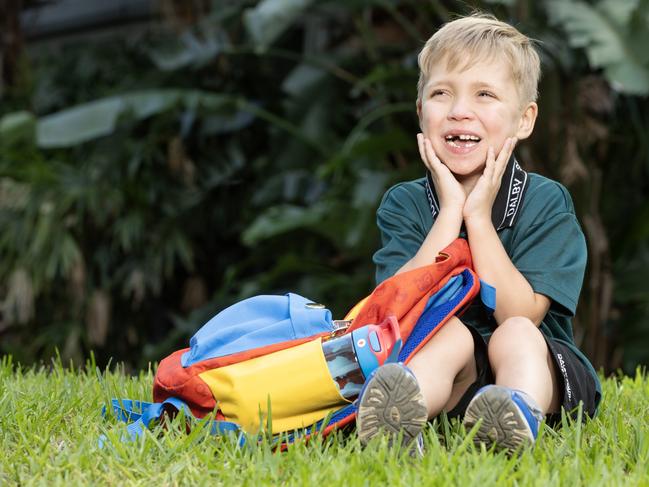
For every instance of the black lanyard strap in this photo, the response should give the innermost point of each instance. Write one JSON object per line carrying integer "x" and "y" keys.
{"x": 508, "y": 200}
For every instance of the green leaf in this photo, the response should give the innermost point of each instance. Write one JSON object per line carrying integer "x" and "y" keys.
{"x": 628, "y": 78}
{"x": 619, "y": 11}
{"x": 602, "y": 30}
{"x": 301, "y": 79}
{"x": 189, "y": 50}
{"x": 282, "y": 219}
{"x": 17, "y": 127}
{"x": 223, "y": 124}
{"x": 99, "y": 118}
{"x": 270, "y": 18}
{"x": 79, "y": 124}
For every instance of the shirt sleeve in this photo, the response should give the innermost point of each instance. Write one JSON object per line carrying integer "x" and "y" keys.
{"x": 552, "y": 256}
{"x": 401, "y": 232}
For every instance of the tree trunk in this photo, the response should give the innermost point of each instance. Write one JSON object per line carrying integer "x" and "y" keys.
{"x": 10, "y": 41}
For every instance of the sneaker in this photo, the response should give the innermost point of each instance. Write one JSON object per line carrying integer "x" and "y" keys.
{"x": 510, "y": 418}
{"x": 391, "y": 404}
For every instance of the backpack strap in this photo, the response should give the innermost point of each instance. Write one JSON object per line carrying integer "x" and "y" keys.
{"x": 141, "y": 415}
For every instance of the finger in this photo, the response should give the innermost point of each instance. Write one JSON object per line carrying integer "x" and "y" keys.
{"x": 489, "y": 164}
{"x": 503, "y": 158}
{"x": 429, "y": 154}
{"x": 432, "y": 156}
{"x": 422, "y": 151}
{"x": 512, "y": 147}
{"x": 512, "y": 144}
{"x": 437, "y": 168}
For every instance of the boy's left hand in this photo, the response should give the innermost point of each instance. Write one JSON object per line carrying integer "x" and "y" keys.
{"x": 481, "y": 199}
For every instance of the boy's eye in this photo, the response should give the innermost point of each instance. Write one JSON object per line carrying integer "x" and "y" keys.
{"x": 486, "y": 94}
{"x": 436, "y": 93}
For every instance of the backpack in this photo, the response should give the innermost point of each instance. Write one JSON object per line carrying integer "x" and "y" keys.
{"x": 260, "y": 363}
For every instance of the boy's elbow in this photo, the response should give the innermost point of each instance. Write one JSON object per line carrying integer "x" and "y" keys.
{"x": 541, "y": 308}
{"x": 534, "y": 311}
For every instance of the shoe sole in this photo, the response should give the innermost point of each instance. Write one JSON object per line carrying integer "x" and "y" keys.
{"x": 503, "y": 423}
{"x": 391, "y": 405}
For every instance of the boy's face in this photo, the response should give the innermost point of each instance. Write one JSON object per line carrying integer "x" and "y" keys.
{"x": 464, "y": 112}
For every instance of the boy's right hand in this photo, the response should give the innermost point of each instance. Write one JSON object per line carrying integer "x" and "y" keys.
{"x": 449, "y": 190}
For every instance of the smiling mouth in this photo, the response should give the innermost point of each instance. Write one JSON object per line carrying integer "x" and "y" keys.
{"x": 462, "y": 141}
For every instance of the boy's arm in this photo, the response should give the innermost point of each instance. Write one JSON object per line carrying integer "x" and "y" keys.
{"x": 446, "y": 227}
{"x": 514, "y": 294}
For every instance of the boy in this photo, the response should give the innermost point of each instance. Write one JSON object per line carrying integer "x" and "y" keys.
{"x": 476, "y": 98}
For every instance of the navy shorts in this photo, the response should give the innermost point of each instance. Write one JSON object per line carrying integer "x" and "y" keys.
{"x": 576, "y": 384}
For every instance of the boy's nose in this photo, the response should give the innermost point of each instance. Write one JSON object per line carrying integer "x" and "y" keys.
{"x": 460, "y": 110}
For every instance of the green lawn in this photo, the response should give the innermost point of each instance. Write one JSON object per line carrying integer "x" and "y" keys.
{"x": 50, "y": 421}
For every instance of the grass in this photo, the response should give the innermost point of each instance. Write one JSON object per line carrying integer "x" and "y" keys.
{"x": 50, "y": 422}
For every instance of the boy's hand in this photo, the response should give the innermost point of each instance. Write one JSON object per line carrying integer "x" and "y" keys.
{"x": 449, "y": 191}
{"x": 481, "y": 199}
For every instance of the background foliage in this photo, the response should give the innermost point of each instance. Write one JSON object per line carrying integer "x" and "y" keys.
{"x": 238, "y": 148}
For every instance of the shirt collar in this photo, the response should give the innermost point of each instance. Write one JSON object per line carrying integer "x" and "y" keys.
{"x": 508, "y": 200}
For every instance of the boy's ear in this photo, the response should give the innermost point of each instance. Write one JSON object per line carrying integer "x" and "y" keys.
{"x": 528, "y": 118}
{"x": 419, "y": 110}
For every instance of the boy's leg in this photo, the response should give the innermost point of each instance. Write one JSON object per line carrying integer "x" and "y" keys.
{"x": 544, "y": 368}
{"x": 398, "y": 399}
{"x": 521, "y": 360}
{"x": 526, "y": 387}
{"x": 445, "y": 367}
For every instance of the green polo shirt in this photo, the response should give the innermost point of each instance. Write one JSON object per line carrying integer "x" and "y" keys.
{"x": 545, "y": 244}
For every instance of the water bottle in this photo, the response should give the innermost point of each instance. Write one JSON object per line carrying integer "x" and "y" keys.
{"x": 352, "y": 357}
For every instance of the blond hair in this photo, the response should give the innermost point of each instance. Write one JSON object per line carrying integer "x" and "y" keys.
{"x": 482, "y": 37}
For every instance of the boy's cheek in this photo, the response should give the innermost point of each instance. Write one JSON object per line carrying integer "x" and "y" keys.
{"x": 437, "y": 143}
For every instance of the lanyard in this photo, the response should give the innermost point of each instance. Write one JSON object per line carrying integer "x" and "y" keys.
{"x": 508, "y": 200}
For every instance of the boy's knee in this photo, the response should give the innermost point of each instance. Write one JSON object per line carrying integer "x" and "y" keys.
{"x": 515, "y": 336}
{"x": 456, "y": 333}
{"x": 452, "y": 343}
